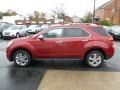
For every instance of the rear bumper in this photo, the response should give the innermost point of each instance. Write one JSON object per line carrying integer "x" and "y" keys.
{"x": 116, "y": 36}
{"x": 109, "y": 52}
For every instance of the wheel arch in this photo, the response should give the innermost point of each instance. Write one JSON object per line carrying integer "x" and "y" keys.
{"x": 20, "y": 49}
{"x": 96, "y": 49}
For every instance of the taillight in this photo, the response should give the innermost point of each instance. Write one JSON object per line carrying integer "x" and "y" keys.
{"x": 110, "y": 39}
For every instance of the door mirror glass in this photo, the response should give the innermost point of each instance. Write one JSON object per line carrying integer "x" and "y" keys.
{"x": 41, "y": 37}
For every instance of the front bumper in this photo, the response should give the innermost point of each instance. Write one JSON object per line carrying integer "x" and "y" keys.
{"x": 8, "y": 54}
{"x": 9, "y": 36}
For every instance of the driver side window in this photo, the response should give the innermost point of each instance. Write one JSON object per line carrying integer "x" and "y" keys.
{"x": 55, "y": 33}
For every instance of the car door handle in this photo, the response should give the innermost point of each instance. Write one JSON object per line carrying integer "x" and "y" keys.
{"x": 59, "y": 42}
{"x": 84, "y": 40}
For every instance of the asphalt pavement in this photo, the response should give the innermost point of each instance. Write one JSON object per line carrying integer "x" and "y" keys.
{"x": 32, "y": 77}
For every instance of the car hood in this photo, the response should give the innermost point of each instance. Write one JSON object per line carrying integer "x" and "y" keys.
{"x": 116, "y": 30}
{"x": 11, "y": 31}
{"x": 22, "y": 38}
{"x": 32, "y": 28}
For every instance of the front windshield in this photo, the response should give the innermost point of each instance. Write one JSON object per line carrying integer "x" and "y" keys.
{"x": 1, "y": 27}
{"x": 4, "y": 26}
{"x": 13, "y": 27}
{"x": 32, "y": 26}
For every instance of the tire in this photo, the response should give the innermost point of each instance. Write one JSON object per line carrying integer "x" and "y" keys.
{"x": 17, "y": 35}
{"x": 94, "y": 59}
{"x": 21, "y": 58}
{"x": 26, "y": 34}
{"x": 0, "y": 35}
{"x": 35, "y": 31}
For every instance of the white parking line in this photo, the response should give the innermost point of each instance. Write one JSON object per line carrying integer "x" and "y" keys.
{"x": 80, "y": 80}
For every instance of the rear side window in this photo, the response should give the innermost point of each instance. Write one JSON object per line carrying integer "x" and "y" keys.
{"x": 101, "y": 31}
{"x": 75, "y": 32}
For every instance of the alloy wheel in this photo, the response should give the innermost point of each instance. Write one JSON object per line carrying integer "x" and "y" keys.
{"x": 21, "y": 59}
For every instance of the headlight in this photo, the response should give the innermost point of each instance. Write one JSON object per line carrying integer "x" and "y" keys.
{"x": 116, "y": 33}
{"x": 13, "y": 33}
{"x": 10, "y": 43}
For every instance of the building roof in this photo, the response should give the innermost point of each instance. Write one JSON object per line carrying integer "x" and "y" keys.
{"x": 104, "y": 5}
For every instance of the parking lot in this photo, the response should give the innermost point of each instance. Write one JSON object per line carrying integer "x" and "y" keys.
{"x": 58, "y": 74}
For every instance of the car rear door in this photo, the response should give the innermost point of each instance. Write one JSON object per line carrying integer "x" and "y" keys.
{"x": 74, "y": 41}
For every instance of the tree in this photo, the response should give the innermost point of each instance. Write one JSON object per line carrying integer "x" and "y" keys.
{"x": 87, "y": 18}
{"x": 30, "y": 17}
{"x": 105, "y": 22}
{"x": 42, "y": 15}
{"x": 37, "y": 15}
{"x": 58, "y": 12}
{"x": 9, "y": 12}
{"x": 1, "y": 16}
{"x": 68, "y": 19}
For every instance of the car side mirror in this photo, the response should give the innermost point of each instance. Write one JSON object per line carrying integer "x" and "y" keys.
{"x": 41, "y": 37}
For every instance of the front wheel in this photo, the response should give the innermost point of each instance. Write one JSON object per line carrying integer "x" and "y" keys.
{"x": 26, "y": 34}
{"x": 94, "y": 59}
{"x": 17, "y": 35}
{"x": 21, "y": 58}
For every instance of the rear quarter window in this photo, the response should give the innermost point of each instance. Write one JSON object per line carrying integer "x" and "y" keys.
{"x": 100, "y": 31}
{"x": 75, "y": 32}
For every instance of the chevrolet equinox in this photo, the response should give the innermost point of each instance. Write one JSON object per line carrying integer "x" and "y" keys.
{"x": 88, "y": 42}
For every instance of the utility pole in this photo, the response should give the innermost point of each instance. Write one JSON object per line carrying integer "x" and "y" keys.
{"x": 94, "y": 11}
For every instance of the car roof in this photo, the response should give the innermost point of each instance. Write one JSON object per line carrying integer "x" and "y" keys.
{"x": 87, "y": 25}
{"x": 18, "y": 25}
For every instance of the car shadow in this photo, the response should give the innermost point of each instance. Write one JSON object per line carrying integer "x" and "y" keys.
{"x": 69, "y": 65}
{"x": 117, "y": 40}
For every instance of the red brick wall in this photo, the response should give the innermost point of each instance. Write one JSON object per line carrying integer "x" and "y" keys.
{"x": 107, "y": 13}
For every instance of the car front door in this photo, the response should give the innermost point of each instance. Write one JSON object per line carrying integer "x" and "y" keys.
{"x": 51, "y": 45}
{"x": 74, "y": 41}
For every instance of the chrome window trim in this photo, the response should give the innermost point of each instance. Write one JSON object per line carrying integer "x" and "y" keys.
{"x": 59, "y": 27}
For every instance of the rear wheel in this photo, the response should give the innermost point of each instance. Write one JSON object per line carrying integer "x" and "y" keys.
{"x": 94, "y": 59}
{"x": 0, "y": 35}
{"x": 21, "y": 58}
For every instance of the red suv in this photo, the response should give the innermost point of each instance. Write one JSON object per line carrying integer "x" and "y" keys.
{"x": 87, "y": 42}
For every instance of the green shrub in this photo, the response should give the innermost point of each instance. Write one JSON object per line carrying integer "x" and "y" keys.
{"x": 105, "y": 22}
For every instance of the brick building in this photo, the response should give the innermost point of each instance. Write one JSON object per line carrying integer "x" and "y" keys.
{"x": 109, "y": 11}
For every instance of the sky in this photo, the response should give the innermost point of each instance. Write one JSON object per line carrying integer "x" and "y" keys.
{"x": 72, "y": 7}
